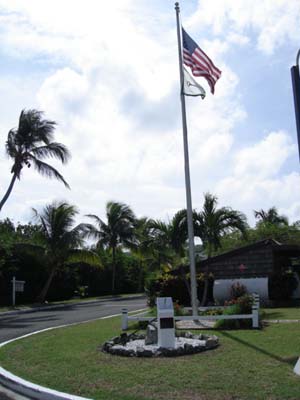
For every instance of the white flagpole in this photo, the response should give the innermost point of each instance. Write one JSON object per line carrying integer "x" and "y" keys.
{"x": 187, "y": 176}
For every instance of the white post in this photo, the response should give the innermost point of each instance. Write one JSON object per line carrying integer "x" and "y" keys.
{"x": 297, "y": 367}
{"x": 165, "y": 322}
{"x": 255, "y": 312}
{"x": 14, "y": 291}
{"x": 124, "y": 319}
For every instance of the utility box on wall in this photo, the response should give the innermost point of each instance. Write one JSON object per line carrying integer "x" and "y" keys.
{"x": 165, "y": 322}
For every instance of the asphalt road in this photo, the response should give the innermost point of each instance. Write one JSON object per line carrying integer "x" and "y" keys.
{"x": 12, "y": 326}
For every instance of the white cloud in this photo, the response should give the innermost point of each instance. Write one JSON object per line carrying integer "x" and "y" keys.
{"x": 255, "y": 182}
{"x": 66, "y": 89}
{"x": 265, "y": 158}
{"x": 274, "y": 21}
{"x": 110, "y": 79}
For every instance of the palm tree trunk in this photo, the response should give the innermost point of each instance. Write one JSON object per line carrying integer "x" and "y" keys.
{"x": 205, "y": 290}
{"x": 188, "y": 287}
{"x": 6, "y": 196}
{"x": 113, "y": 283}
{"x": 41, "y": 297}
{"x": 206, "y": 280}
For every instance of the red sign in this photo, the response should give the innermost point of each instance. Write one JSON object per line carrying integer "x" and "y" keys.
{"x": 242, "y": 267}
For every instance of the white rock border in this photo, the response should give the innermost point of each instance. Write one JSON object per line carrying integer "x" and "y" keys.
{"x": 133, "y": 345}
{"x": 26, "y": 388}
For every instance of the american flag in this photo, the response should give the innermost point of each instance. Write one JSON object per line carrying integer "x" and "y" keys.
{"x": 198, "y": 61}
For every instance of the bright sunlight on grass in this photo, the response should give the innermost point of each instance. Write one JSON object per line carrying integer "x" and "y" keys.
{"x": 249, "y": 364}
{"x": 281, "y": 313}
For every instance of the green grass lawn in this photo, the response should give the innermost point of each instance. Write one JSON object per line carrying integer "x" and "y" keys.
{"x": 281, "y": 313}
{"x": 249, "y": 364}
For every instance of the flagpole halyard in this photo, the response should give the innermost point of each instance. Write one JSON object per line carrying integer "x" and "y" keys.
{"x": 194, "y": 299}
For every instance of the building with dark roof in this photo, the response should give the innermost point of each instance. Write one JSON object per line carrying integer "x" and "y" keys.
{"x": 257, "y": 260}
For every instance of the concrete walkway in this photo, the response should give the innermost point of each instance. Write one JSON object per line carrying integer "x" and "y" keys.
{"x": 204, "y": 324}
{"x": 209, "y": 324}
{"x": 280, "y": 321}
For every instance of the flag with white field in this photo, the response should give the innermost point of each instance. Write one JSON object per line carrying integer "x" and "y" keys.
{"x": 191, "y": 87}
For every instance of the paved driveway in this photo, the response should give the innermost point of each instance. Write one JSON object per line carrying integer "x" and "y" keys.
{"x": 12, "y": 326}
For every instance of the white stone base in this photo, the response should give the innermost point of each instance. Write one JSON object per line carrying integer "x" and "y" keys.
{"x": 297, "y": 367}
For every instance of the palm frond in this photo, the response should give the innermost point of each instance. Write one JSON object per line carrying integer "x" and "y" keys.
{"x": 96, "y": 219}
{"x": 54, "y": 150}
{"x": 84, "y": 256}
{"x": 33, "y": 128}
{"x": 47, "y": 170}
{"x": 10, "y": 145}
{"x": 90, "y": 231}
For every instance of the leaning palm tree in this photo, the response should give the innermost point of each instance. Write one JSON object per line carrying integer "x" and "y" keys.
{"x": 29, "y": 144}
{"x": 61, "y": 242}
{"x": 117, "y": 231}
{"x": 213, "y": 223}
{"x": 271, "y": 216}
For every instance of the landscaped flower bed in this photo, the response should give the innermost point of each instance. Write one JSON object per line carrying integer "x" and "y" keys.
{"x": 133, "y": 345}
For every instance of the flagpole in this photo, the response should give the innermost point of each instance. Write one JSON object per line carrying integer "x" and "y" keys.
{"x": 194, "y": 299}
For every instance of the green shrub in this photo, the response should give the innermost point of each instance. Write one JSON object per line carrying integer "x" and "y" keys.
{"x": 178, "y": 309}
{"x": 241, "y": 305}
{"x": 167, "y": 285}
{"x": 152, "y": 289}
{"x": 212, "y": 311}
{"x": 245, "y": 302}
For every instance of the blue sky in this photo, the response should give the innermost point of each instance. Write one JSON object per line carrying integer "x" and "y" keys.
{"x": 108, "y": 74}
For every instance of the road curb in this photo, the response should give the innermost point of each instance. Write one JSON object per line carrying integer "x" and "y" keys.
{"x": 37, "y": 392}
{"x": 63, "y": 305}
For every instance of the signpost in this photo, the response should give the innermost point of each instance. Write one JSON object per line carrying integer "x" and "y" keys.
{"x": 17, "y": 286}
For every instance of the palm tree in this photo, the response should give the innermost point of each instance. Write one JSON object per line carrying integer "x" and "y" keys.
{"x": 140, "y": 247}
{"x": 117, "y": 231}
{"x": 179, "y": 231}
{"x": 179, "y": 240}
{"x": 213, "y": 223}
{"x": 30, "y": 143}
{"x": 61, "y": 243}
{"x": 158, "y": 243}
{"x": 171, "y": 241}
{"x": 271, "y": 216}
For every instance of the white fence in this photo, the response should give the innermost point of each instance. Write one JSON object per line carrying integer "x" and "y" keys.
{"x": 254, "y": 316}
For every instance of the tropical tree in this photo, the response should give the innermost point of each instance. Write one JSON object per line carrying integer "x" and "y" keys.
{"x": 171, "y": 237}
{"x": 29, "y": 144}
{"x": 117, "y": 231}
{"x": 171, "y": 241}
{"x": 61, "y": 243}
{"x": 271, "y": 216}
{"x": 140, "y": 247}
{"x": 215, "y": 222}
